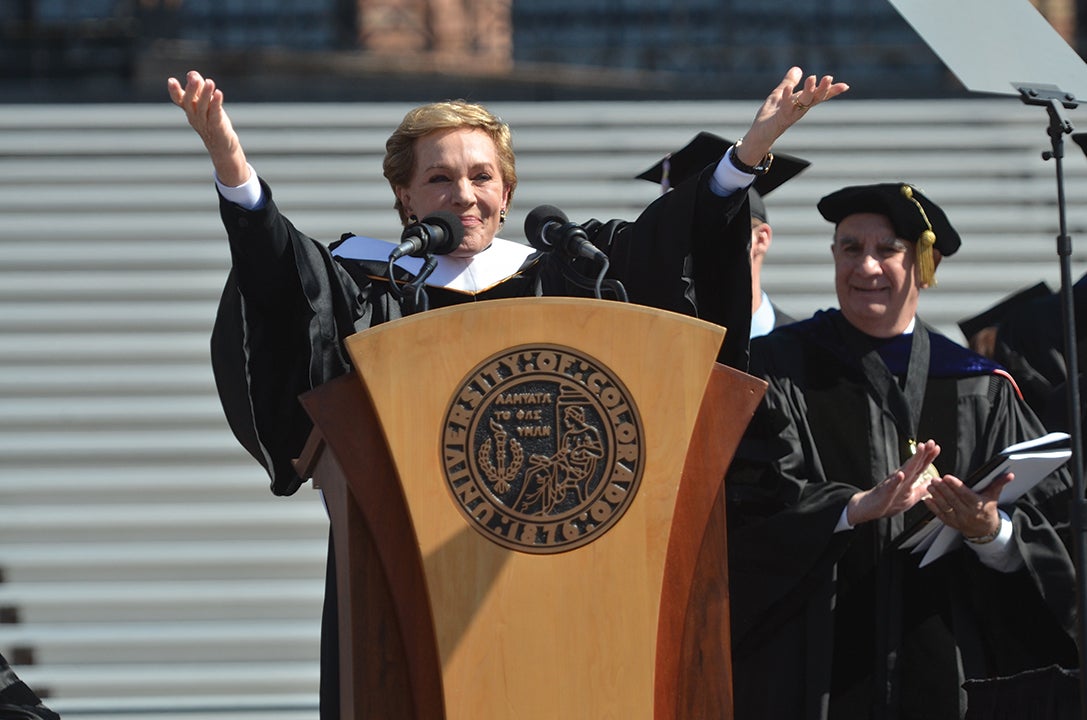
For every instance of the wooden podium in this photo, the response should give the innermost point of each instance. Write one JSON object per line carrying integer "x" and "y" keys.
{"x": 527, "y": 515}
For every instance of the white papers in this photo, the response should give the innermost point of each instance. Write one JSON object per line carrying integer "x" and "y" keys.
{"x": 1030, "y": 461}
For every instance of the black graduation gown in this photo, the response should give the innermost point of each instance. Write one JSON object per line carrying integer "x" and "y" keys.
{"x": 288, "y": 305}
{"x": 842, "y": 625}
{"x": 17, "y": 700}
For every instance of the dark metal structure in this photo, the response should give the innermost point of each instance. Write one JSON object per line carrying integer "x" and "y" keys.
{"x": 55, "y": 50}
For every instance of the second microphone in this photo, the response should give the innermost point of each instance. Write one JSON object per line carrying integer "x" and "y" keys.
{"x": 548, "y": 228}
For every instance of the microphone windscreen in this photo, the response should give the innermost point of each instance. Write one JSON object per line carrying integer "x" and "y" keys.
{"x": 450, "y": 232}
{"x": 537, "y": 219}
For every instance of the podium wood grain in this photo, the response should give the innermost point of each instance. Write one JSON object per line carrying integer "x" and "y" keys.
{"x": 610, "y": 629}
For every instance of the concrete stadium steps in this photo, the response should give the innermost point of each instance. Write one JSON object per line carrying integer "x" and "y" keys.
{"x": 146, "y": 571}
{"x": 175, "y": 642}
{"x": 100, "y": 565}
{"x": 168, "y": 691}
{"x": 262, "y": 706}
{"x": 162, "y": 601}
{"x": 147, "y": 522}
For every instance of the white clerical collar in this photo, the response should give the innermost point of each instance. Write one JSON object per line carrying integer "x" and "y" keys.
{"x": 487, "y": 268}
{"x": 909, "y": 328}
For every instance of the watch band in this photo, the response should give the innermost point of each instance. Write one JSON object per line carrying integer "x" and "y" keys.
{"x": 761, "y": 169}
{"x": 982, "y": 539}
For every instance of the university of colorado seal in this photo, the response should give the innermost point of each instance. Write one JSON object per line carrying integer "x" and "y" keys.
{"x": 542, "y": 449}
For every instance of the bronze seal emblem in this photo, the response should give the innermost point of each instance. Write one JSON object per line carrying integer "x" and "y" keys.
{"x": 542, "y": 449}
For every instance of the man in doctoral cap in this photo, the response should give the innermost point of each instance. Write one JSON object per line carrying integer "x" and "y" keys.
{"x": 905, "y": 233}
{"x": 706, "y": 148}
{"x": 870, "y": 414}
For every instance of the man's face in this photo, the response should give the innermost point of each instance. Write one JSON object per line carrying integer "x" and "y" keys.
{"x": 874, "y": 275}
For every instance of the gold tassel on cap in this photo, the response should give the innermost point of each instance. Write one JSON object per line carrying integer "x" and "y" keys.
{"x": 926, "y": 263}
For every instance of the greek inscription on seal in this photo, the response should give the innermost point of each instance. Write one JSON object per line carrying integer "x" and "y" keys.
{"x": 542, "y": 449}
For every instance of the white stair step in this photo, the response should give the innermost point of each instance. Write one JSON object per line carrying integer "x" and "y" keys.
{"x": 59, "y": 602}
{"x": 164, "y": 642}
{"x": 187, "y": 559}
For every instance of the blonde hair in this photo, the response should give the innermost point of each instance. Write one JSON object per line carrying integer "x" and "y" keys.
{"x": 399, "y": 164}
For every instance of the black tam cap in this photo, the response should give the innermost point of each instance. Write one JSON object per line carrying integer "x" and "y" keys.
{"x": 914, "y": 217}
{"x": 706, "y": 148}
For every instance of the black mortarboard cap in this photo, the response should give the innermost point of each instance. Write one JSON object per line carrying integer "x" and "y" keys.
{"x": 997, "y": 313}
{"x": 1081, "y": 140}
{"x": 914, "y": 217}
{"x": 706, "y": 148}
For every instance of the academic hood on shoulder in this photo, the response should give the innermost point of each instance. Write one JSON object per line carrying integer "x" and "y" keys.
{"x": 476, "y": 274}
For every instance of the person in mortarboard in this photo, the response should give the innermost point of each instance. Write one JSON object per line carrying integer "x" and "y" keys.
{"x": 980, "y": 330}
{"x": 1025, "y": 333}
{"x": 705, "y": 148}
{"x": 871, "y": 419}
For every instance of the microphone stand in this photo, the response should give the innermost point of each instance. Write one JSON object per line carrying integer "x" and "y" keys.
{"x": 390, "y": 273}
{"x": 597, "y": 285}
{"x": 1054, "y": 100}
{"x": 411, "y": 297}
{"x": 416, "y": 296}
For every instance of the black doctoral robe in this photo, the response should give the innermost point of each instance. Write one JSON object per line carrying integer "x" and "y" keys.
{"x": 842, "y": 625}
{"x": 288, "y": 305}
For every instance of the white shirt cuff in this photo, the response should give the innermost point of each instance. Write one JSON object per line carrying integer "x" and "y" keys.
{"x": 248, "y": 195}
{"x": 1001, "y": 554}
{"x": 727, "y": 179}
{"x": 843, "y": 521}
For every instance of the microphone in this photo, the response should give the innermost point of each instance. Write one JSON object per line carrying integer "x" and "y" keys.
{"x": 437, "y": 234}
{"x": 548, "y": 228}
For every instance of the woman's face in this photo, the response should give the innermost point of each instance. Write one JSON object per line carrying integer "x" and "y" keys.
{"x": 457, "y": 171}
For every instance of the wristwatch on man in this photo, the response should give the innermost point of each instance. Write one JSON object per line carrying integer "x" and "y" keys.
{"x": 761, "y": 169}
